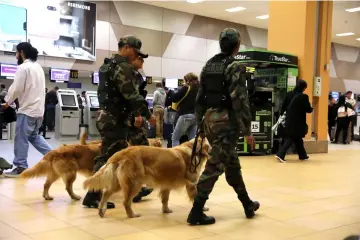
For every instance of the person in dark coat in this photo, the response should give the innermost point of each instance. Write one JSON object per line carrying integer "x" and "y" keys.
{"x": 296, "y": 105}
{"x": 50, "y": 103}
{"x": 332, "y": 114}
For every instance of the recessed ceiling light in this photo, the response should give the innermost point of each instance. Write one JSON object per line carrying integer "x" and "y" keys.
{"x": 263, "y": 17}
{"x": 235, "y": 9}
{"x": 353, "y": 9}
{"x": 358, "y": 39}
{"x": 194, "y": 1}
{"x": 345, "y": 34}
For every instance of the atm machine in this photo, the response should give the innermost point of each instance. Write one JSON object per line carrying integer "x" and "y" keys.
{"x": 91, "y": 112}
{"x": 67, "y": 114}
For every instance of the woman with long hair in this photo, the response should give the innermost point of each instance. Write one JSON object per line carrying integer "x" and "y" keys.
{"x": 186, "y": 120}
{"x": 342, "y": 121}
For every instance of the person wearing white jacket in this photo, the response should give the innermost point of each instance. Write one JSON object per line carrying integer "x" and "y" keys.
{"x": 159, "y": 106}
{"x": 28, "y": 87}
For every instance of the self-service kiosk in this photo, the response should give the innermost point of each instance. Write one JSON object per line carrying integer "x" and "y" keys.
{"x": 67, "y": 114}
{"x": 91, "y": 112}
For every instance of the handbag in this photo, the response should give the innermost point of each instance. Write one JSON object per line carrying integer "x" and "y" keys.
{"x": 174, "y": 105}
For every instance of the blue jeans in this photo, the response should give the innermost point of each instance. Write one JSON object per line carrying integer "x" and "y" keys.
{"x": 27, "y": 129}
{"x": 185, "y": 124}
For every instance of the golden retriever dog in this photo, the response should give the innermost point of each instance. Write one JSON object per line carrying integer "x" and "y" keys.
{"x": 66, "y": 161}
{"x": 164, "y": 168}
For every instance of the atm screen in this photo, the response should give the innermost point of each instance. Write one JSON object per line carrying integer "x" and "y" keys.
{"x": 68, "y": 100}
{"x": 94, "y": 102}
{"x": 150, "y": 102}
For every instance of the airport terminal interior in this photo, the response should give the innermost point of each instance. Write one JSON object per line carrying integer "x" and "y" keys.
{"x": 316, "y": 197}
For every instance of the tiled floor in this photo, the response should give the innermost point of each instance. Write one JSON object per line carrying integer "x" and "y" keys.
{"x": 314, "y": 200}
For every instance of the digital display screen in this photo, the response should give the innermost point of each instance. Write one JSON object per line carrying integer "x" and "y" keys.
{"x": 95, "y": 78}
{"x": 150, "y": 102}
{"x": 94, "y": 102}
{"x": 59, "y": 75}
{"x": 68, "y": 100}
{"x": 171, "y": 83}
{"x": 335, "y": 95}
{"x": 12, "y": 27}
{"x": 8, "y": 70}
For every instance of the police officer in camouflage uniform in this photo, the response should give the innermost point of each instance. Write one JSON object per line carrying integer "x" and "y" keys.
{"x": 222, "y": 111}
{"x": 138, "y": 136}
{"x": 118, "y": 98}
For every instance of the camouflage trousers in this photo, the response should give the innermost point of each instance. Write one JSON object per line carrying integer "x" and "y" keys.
{"x": 114, "y": 132}
{"x": 222, "y": 137}
{"x": 138, "y": 136}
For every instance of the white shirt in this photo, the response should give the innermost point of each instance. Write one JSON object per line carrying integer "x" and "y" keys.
{"x": 28, "y": 87}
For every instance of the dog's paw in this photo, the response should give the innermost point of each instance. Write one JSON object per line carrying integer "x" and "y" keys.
{"x": 134, "y": 215}
{"x": 167, "y": 210}
{"x": 48, "y": 198}
{"x": 75, "y": 197}
{"x": 102, "y": 212}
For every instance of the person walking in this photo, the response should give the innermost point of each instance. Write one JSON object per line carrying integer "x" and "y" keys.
{"x": 185, "y": 99}
{"x": 342, "y": 121}
{"x": 158, "y": 106}
{"x": 332, "y": 114}
{"x": 28, "y": 87}
{"x": 118, "y": 98}
{"x": 50, "y": 103}
{"x": 296, "y": 105}
{"x": 222, "y": 110}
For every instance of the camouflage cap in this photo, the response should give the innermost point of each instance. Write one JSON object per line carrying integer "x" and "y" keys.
{"x": 133, "y": 42}
{"x": 230, "y": 35}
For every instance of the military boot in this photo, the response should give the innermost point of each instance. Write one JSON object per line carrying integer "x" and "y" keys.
{"x": 197, "y": 216}
{"x": 92, "y": 200}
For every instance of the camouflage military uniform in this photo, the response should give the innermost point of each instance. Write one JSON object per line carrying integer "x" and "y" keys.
{"x": 222, "y": 130}
{"x": 222, "y": 106}
{"x": 113, "y": 124}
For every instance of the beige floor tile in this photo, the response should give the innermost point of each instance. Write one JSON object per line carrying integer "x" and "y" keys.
{"x": 152, "y": 222}
{"x": 182, "y": 232}
{"x": 38, "y": 225}
{"x": 62, "y": 234}
{"x": 136, "y": 236}
{"x": 109, "y": 229}
{"x": 19, "y": 237}
{"x": 323, "y": 221}
{"x": 7, "y": 231}
{"x": 244, "y": 233}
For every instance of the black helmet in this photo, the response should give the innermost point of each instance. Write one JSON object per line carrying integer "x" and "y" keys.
{"x": 229, "y": 39}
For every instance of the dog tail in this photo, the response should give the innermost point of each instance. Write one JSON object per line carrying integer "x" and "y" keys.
{"x": 83, "y": 139}
{"x": 40, "y": 169}
{"x": 102, "y": 178}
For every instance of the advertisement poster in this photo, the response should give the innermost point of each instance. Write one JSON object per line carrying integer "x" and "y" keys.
{"x": 56, "y": 28}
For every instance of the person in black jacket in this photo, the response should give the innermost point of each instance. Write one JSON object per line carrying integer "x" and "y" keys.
{"x": 50, "y": 103}
{"x": 296, "y": 105}
{"x": 186, "y": 120}
{"x": 343, "y": 120}
{"x": 332, "y": 114}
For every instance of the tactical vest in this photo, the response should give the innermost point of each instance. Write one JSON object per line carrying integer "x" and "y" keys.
{"x": 110, "y": 98}
{"x": 215, "y": 87}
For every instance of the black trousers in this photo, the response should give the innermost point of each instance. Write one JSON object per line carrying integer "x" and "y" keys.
{"x": 299, "y": 145}
{"x": 330, "y": 126}
{"x": 50, "y": 119}
{"x": 342, "y": 125}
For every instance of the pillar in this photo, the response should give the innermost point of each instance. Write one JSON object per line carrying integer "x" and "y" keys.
{"x": 303, "y": 28}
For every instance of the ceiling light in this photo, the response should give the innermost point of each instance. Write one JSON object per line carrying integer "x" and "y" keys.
{"x": 263, "y": 17}
{"x": 194, "y": 1}
{"x": 345, "y": 34}
{"x": 358, "y": 39}
{"x": 235, "y": 9}
{"x": 353, "y": 9}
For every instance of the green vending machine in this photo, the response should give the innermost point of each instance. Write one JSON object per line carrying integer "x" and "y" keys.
{"x": 270, "y": 75}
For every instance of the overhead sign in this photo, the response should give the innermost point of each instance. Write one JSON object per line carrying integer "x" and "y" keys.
{"x": 74, "y": 74}
{"x": 266, "y": 56}
{"x": 8, "y": 70}
{"x": 59, "y": 75}
{"x": 149, "y": 80}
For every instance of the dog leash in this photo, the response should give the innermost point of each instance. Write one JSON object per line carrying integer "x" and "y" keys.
{"x": 194, "y": 162}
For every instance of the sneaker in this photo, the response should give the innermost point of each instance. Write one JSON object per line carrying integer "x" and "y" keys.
{"x": 280, "y": 159}
{"x": 15, "y": 173}
{"x": 143, "y": 193}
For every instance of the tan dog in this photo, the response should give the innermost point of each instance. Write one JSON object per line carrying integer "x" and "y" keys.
{"x": 164, "y": 168}
{"x": 66, "y": 161}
